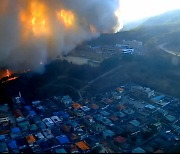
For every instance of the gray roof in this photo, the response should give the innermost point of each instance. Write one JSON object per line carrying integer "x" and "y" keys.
{"x": 135, "y": 123}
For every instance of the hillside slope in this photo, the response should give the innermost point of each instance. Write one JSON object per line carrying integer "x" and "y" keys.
{"x": 154, "y": 31}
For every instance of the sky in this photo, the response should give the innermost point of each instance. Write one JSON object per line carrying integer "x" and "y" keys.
{"x": 132, "y": 10}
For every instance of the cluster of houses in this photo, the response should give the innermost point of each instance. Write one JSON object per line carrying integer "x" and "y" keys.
{"x": 126, "y": 47}
{"x": 115, "y": 121}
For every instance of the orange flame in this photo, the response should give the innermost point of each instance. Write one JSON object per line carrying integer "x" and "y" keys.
{"x": 8, "y": 73}
{"x": 10, "y": 79}
{"x": 67, "y": 17}
{"x": 92, "y": 29}
{"x": 34, "y": 19}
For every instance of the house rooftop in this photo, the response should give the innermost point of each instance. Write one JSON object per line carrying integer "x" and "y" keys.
{"x": 114, "y": 118}
{"x": 73, "y": 136}
{"x": 3, "y": 147}
{"x": 120, "y": 107}
{"x": 120, "y": 114}
{"x": 159, "y": 151}
{"x": 135, "y": 123}
{"x": 60, "y": 150}
{"x": 129, "y": 111}
{"x": 12, "y": 144}
{"x": 82, "y": 145}
{"x": 62, "y": 139}
{"x": 108, "y": 101}
{"x": 138, "y": 150}
{"x": 65, "y": 128}
{"x": 98, "y": 117}
{"x": 33, "y": 127}
{"x": 30, "y": 139}
{"x": 120, "y": 139}
{"x": 119, "y": 89}
{"x": 85, "y": 108}
{"x": 104, "y": 113}
{"x": 28, "y": 108}
{"x": 108, "y": 133}
{"x": 76, "y": 106}
{"x": 15, "y": 130}
{"x": 61, "y": 114}
{"x": 94, "y": 106}
{"x": 4, "y": 107}
{"x": 170, "y": 118}
{"x": 149, "y": 106}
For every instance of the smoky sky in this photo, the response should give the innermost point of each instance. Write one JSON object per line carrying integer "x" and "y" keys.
{"x": 31, "y": 32}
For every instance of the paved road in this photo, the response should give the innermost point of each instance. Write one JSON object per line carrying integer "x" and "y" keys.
{"x": 161, "y": 46}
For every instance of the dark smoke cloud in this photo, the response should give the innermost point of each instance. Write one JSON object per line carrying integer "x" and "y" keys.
{"x": 19, "y": 53}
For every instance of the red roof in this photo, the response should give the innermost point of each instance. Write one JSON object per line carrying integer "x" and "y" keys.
{"x": 114, "y": 118}
{"x": 120, "y": 139}
{"x": 119, "y": 89}
{"x": 120, "y": 107}
{"x": 76, "y": 106}
{"x": 159, "y": 151}
{"x": 66, "y": 128}
{"x": 18, "y": 113}
{"x": 73, "y": 148}
{"x": 82, "y": 145}
{"x": 108, "y": 101}
{"x": 73, "y": 136}
{"x": 30, "y": 139}
{"x": 94, "y": 106}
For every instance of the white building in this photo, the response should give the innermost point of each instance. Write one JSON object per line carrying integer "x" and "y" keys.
{"x": 66, "y": 100}
{"x": 48, "y": 122}
{"x": 56, "y": 119}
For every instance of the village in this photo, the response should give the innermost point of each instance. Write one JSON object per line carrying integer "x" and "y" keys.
{"x": 130, "y": 118}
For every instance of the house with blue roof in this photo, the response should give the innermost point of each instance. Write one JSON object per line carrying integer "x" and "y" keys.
{"x": 15, "y": 132}
{"x": 135, "y": 123}
{"x": 63, "y": 139}
{"x": 138, "y": 150}
{"x": 66, "y": 100}
{"x": 24, "y": 125}
{"x": 12, "y": 144}
{"x": 108, "y": 133}
{"x": 3, "y": 147}
{"x": 157, "y": 98}
{"x": 31, "y": 113}
{"x": 2, "y": 137}
{"x": 60, "y": 150}
{"x": 62, "y": 114}
{"x": 41, "y": 125}
{"x": 170, "y": 118}
{"x": 27, "y": 108}
{"x": 33, "y": 127}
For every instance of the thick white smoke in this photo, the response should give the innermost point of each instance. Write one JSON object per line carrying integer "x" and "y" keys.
{"x": 34, "y": 31}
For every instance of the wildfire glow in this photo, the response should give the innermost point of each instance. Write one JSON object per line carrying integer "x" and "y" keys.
{"x": 67, "y": 17}
{"x": 3, "y": 6}
{"x": 92, "y": 29}
{"x": 10, "y": 79}
{"x": 118, "y": 14}
{"x": 8, "y": 73}
{"x": 34, "y": 19}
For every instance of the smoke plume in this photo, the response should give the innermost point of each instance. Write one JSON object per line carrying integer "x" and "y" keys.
{"x": 33, "y": 32}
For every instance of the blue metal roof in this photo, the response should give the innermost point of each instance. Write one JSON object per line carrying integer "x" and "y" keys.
{"x": 62, "y": 139}
{"x": 61, "y": 114}
{"x": 158, "y": 98}
{"x": 2, "y": 137}
{"x": 27, "y": 108}
{"x": 12, "y": 144}
{"x": 15, "y": 130}
{"x": 32, "y": 113}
